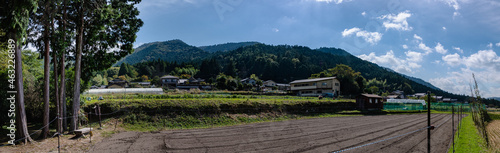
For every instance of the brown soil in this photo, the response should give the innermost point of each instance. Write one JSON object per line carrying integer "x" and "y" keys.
{"x": 68, "y": 143}
{"x": 305, "y": 135}
{"x": 493, "y": 129}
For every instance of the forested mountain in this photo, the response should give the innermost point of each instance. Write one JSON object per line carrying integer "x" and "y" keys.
{"x": 173, "y": 50}
{"x": 285, "y": 63}
{"x": 282, "y": 63}
{"x": 227, "y": 46}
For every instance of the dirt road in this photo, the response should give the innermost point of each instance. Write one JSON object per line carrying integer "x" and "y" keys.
{"x": 306, "y": 135}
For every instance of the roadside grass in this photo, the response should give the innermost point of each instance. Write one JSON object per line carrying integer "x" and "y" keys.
{"x": 469, "y": 140}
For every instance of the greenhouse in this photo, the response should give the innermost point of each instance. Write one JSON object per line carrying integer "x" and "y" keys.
{"x": 125, "y": 91}
{"x": 414, "y": 104}
{"x": 404, "y": 104}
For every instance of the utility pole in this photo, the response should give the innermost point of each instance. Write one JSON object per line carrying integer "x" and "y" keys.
{"x": 453, "y": 127}
{"x": 428, "y": 122}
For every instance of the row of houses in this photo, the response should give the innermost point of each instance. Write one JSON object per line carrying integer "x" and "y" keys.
{"x": 304, "y": 87}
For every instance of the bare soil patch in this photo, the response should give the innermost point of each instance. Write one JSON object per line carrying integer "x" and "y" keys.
{"x": 305, "y": 135}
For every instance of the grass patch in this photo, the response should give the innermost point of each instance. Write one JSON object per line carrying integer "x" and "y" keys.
{"x": 469, "y": 140}
{"x": 146, "y": 123}
{"x": 494, "y": 115}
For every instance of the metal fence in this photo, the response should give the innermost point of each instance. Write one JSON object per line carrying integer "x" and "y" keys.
{"x": 419, "y": 106}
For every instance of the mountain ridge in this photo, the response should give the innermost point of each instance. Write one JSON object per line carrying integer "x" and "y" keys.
{"x": 177, "y": 50}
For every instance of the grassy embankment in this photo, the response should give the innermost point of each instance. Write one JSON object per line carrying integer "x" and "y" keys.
{"x": 158, "y": 112}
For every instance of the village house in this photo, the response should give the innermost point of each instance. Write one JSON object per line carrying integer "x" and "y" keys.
{"x": 251, "y": 81}
{"x": 283, "y": 86}
{"x": 315, "y": 87}
{"x": 268, "y": 85}
{"x": 369, "y": 102}
{"x": 169, "y": 81}
{"x": 118, "y": 83}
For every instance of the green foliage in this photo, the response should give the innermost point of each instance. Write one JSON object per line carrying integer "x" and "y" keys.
{"x": 112, "y": 25}
{"x": 97, "y": 80}
{"x": 372, "y": 90}
{"x": 127, "y": 69}
{"x": 225, "y": 82}
{"x": 112, "y": 71}
{"x": 189, "y": 70}
{"x": 33, "y": 84}
{"x": 14, "y": 19}
{"x": 209, "y": 69}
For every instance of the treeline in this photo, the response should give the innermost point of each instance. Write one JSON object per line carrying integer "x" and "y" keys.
{"x": 75, "y": 39}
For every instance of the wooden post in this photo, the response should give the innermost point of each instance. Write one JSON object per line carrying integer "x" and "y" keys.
{"x": 99, "y": 114}
{"x": 428, "y": 122}
{"x": 59, "y": 142}
{"x": 453, "y": 127}
{"x": 90, "y": 125}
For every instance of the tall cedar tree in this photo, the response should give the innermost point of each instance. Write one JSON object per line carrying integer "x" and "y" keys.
{"x": 110, "y": 29}
{"x": 41, "y": 21}
{"x": 14, "y": 19}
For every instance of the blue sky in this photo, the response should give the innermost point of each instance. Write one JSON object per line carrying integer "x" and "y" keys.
{"x": 441, "y": 41}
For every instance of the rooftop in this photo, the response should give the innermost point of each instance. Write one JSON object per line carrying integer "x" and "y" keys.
{"x": 169, "y": 77}
{"x": 371, "y": 96}
{"x": 312, "y": 80}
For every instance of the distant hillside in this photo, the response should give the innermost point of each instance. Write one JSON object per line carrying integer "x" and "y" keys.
{"x": 285, "y": 63}
{"x": 334, "y": 51}
{"x": 226, "y": 47}
{"x": 418, "y": 80}
{"x": 173, "y": 50}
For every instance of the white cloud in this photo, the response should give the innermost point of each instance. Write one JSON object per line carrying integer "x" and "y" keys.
{"x": 417, "y": 37}
{"x": 444, "y": 28}
{"x": 370, "y": 37}
{"x": 483, "y": 59}
{"x": 334, "y": 1}
{"x": 458, "y": 82}
{"x": 425, "y": 48}
{"x": 407, "y": 65}
{"x": 452, "y": 59}
{"x": 497, "y": 44}
{"x": 405, "y": 47}
{"x": 397, "y": 22}
{"x": 363, "y": 13}
{"x": 454, "y": 4}
{"x": 490, "y": 45}
{"x": 440, "y": 49}
{"x": 275, "y": 30}
{"x": 414, "y": 56}
{"x": 458, "y": 49}
{"x": 348, "y": 32}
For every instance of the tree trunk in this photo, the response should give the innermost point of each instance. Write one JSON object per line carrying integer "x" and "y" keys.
{"x": 21, "y": 124}
{"x": 62, "y": 90}
{"x": 56, "y": 86}
{"x": 78, "y": 61}
{"x": 46, "y": 72}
